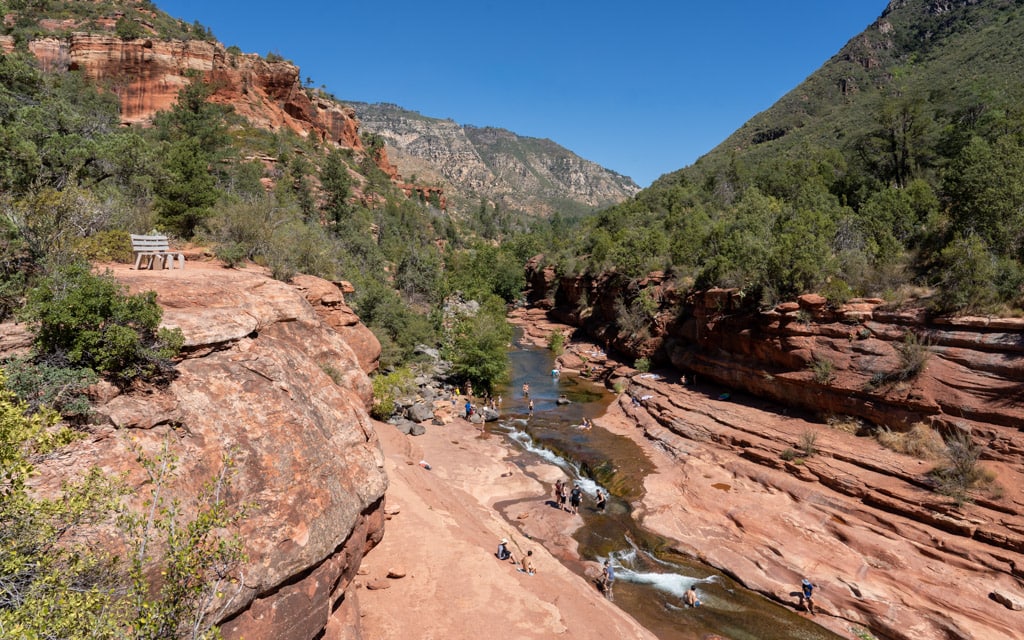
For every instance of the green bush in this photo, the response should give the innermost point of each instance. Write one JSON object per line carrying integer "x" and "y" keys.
{"x": 556, "y": 342}
{"x": 58, "y": 584}
{"x": 43, "y": 385}
{"x": 386, "y": 388}
{"x": 642, "y": 365}
{"x": 80, "y": 319}
{"x": 106, "y": 246}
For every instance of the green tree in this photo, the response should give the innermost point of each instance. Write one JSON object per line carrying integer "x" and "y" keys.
{"x": 478, "y": 347}
{"x": 186, "y": 190}
{"x": 985, "y": 187}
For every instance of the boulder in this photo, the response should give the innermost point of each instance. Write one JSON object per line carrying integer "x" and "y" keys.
{"x": 420, "y": 412}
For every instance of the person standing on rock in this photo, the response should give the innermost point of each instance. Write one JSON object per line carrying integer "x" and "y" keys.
{"x": 526, "y": 390}
{"x": 607, "y": 578}
{"x": 807, "y": 595}
{"x": 563, "y": 494}
{"x": 531, "y": 407}
{"x": 469, "y": 409}
{"x": 575, "y": 498}
{"x": 602, "y": 500}
{"x": 558, "y": 492}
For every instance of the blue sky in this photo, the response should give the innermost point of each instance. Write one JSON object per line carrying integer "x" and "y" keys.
{"x": 643, "y": 87}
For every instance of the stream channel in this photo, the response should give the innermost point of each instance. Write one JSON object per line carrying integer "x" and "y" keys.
{"x": 650, "y": 578}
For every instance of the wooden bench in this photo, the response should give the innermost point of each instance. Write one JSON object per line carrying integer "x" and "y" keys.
{"x": 153, "y": 248}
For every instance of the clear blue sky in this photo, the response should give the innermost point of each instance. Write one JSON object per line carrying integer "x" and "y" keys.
{"x": 643, "y": 87}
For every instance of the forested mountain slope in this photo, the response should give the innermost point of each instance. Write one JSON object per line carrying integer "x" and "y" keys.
{"x": 895, "y": 170}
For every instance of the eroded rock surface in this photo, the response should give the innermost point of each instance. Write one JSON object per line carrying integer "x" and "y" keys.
{"x": 736, "y": 488}
{"x": 254, "y": 386}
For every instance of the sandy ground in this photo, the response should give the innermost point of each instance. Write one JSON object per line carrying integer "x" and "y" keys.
{"x": 443, "y": 531}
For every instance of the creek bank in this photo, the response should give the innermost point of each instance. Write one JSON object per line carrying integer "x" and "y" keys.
{"x": 890, "y": 554}
{"x": 444, "y": 525}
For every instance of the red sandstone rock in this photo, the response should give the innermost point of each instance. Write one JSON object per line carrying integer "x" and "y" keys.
{"x": 862, "y": 519}
{"x": 252, "y": 385}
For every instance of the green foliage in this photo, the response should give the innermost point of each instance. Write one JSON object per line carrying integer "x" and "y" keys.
{"x": 387, "y": 387}
{"x": 642, "y": 365}
{"x": 105, "y": 246}
{"x": 53, "y": 222}
{"x": 43, "y": 385}
{"x": 966, "y": 280}
{"x": 86, "y": 320}
{"x": 57, "y": 583}
{"x": 556, "y": 342}
{"x": 128, "y": 29}
{"x": 478, "y": 347}
{"x": 198, "y": 559}
{"x": 823, "y": 370}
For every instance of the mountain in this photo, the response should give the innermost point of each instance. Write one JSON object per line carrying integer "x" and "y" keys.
{"x": 948, "y": 61}
{"x": 530, "y": 175}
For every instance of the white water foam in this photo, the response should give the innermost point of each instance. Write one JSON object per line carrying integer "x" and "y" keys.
{"x": 572, "y": 470}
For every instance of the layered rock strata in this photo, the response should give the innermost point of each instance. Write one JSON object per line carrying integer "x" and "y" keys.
{"x": 267, "y": 382}
{"x": 738, "y": 487}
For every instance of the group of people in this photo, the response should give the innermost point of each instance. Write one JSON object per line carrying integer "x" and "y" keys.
{"x": 574, "y": 497}
{"x": 525, "y": 563}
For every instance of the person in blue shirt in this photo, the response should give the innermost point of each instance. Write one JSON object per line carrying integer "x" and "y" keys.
{"x": 807, "y": 595}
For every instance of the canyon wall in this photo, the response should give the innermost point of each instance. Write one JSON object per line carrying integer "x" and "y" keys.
{"x": 274, "y": 378}
{"x": 773, "y": 422}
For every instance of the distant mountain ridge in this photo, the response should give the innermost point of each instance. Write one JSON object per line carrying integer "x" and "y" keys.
{"x": 534, "y": 176}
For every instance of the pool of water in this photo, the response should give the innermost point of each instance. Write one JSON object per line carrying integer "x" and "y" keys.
{"x": 650, "y": 578}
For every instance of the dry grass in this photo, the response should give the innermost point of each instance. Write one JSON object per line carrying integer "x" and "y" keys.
{"x": 846, "y": 424}
{"x": 921, "y": 441}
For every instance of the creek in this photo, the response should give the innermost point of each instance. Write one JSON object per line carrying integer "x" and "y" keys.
{"x": 650, "y": 578}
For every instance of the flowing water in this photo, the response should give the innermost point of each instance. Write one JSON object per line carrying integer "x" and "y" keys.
{"x": 650, "y": 579}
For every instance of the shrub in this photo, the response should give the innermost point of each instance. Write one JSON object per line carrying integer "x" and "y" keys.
{"x": 921, "y": 441}
{"x": 43, "y": 385}
{"x": 642, "y": 365}
{"x": 556, "y": 342}
{"x": 808, "y": 442}
{"x": 823, "y": 370}
{"x": 106, "y": 246}
{"x": 57, "y": 584}
{"x": 789, "y": 454}
{"x": 386, "y": 388}
{"x": 837, "y": 291}
{"x": 960, "y": 471}
{"x": 332, "y": 372}
{"x": 84, "y": 320}
{"x": 914, "y": 354}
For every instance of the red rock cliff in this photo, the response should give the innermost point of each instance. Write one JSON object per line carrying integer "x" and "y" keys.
{"x": 254, "y": 383}
{"x": 901, "y": 559}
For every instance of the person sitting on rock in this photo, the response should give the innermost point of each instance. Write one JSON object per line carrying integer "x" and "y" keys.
{"x": 527, "y": 566}
{"x": 503, "y": 551}
{"x": 690, "y": 598}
